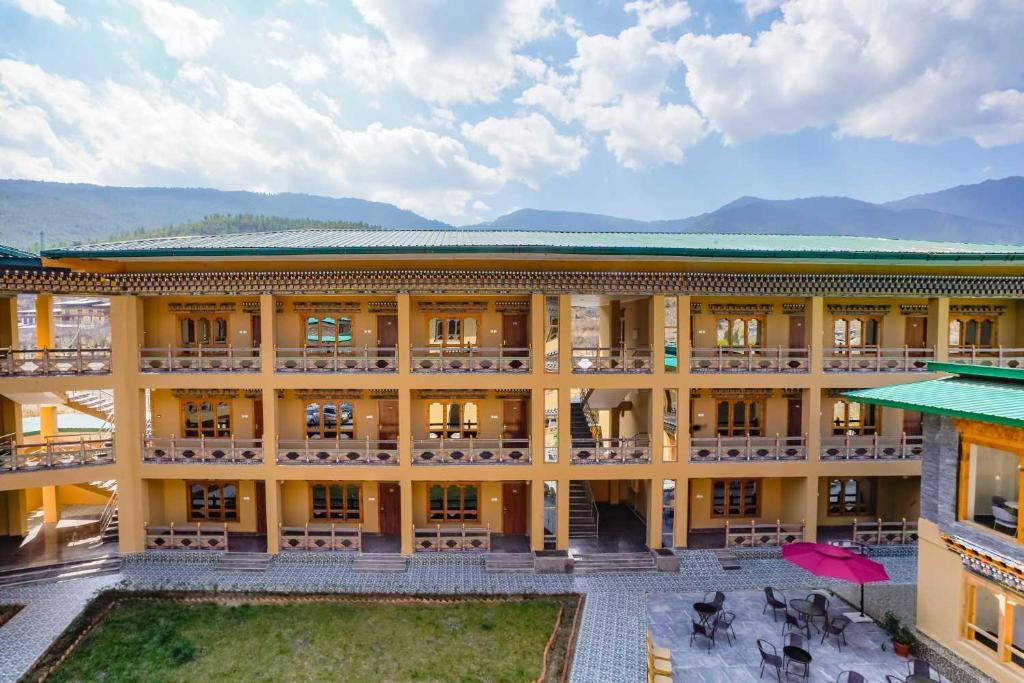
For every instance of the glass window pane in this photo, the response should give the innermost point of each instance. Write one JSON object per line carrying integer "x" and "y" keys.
{"x": 206, "y": 418}
{"x": 191, "y": 419}
{"x": 214, "y": 502}
{"x": 739, "y": 417}
{"x": 954, "y": 333}
{"x": 985, "y": 334}
{"x": 722, "y": 332}
{"x": 985, "y": 627}
{"x": 436, "y": 503}
{"x": 718, "y": 498}
{"x": 470, "y": 335}
{"x": 223, "y": 419}
{"x": 197, "y": 498}
{"x": 839, "y": 331}
{"x": 754, "y": 332}
{"x": 220, "y": 331}
{"x": 436, "y": 330}
{"x": 188, "y": 331}
{"x": 470, "y": 421}
{"x": 453, "y": 503}
{"x": 856, "y": 333}
{"x": 319, "y": 494}
{"x": 470, "y": 504}
{"x": 204, "y": 331}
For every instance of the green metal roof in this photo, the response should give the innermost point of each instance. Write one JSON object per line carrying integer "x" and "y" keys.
{"x": 16, "y": 258}
{"x": 340, "y": 242}
{"x": 977, "y": 393}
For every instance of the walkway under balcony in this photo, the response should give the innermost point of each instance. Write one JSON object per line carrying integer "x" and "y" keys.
{"x": 471, "y": 359}
{"x": 739, "y": 359}
{"x": 877, "y": 359}
{"x": 50, "y": 362}
{"x": 610, "y": 427}
{"x": 199, "y": 359}
{"x": 748, "y": 449}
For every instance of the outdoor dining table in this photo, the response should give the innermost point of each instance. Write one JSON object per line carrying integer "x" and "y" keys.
{"x": 705, "y": 610}
{"x": 798, "y": 654}
{"x": 807, "y": 609}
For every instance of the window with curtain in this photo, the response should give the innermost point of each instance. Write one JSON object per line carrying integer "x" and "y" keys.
{"x": 203, "y": 331}
{"x": 206, "y": 418}
{"x": 854, "y": 419}
{"x": 742, "y": 417}
{"x": 739, "y": 331}
{"x": 335, "y": 502}
{"x": 453, "y": 331}
{"x": 454, "y": 502}
{"x": 857, "y": 333}
{"x": 453, "y": 419}
{"x": 330, "y": 420}
{"x": 850, "y": 497}
{"x": 735, "y": 498}
{"x": 214, "y": 501}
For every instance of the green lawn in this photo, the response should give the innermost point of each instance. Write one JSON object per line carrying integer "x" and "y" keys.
{"x": 172, "y": 641}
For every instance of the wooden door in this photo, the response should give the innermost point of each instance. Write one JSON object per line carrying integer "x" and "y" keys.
{"x": 513, "y": 331}
{"x": 261, "y": 507}
{"x": 256, "y": 333}
{"x": 513, "y": 501}
{"x": 387, "y": 420}
{"x": 916, "y": 335}
{"x": 794, "y": 417}
{"x": 257, "y": 418}
{"x": 912, "y": 423}
{"x": 797, "y": 337}
{"x": 389, "y": 497}
{"x": 516, "y": 423}
{"x": 387, "y": 333}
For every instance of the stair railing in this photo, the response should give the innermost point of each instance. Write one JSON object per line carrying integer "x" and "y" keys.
{"x": 597, "y": 513}
{"x": 108, "y": 513}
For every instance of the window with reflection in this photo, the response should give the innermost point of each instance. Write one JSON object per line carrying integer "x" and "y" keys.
{"x": 328, "y": 331}
{"x": 850, "y": 497}
{"x": 453, "y": 419}
{"x": 735, "y": 497}
{"x": 453, "y": 331}
{"x": 551, "y": 334}
{"x": 990, "y": 488}
{"x": 857, "y": 333}
{"x": 206, "y": 418}
{"x": 330, "y": 420}
{"x": 994, "y": 618}
{"x": 979, "y": 332}
{"x": 214, "y": 501}
{"x": 739, "y": 331}
{"x": 335, "y": 502}
{"x": 203, "y": 331}
{"x": 454, "y": 502}
{"x": 854, "y": 419}
{"x": 741, "y": 417}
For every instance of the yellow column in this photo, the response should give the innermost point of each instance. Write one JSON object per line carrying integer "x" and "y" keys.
{"x": 812, "y": 419}
{"x": 564, "y": 334}
{"x": 537, "y": 427}
{"x": 129, "y": 411}
{"x": 658, "y": 335}
{"x": 811, "y": 508}
{"x": 938, "y": 327}
{"x": 814, "y": 319}
{"x": 680, "y": 520}
{"x": 564, "y": 428}
{"x": 654, "y": 512}
{"x": 658, "y": 424}
{"x": 404, "y": 338}
{"x": 17, "y": 512}
{"x": 562, "y": 510}
{"x": 268, "y": 337}
{"x": 44, "y": 321}
{"x": 537, "y": 514}
{"x": 273, "y": 505}
{"x": 683, "y": 323}
{"x": 9, "y": 322}
{"x": 51, "y": 506}
{"x": 405, "y": 486}
{"x": 538, "y": 312}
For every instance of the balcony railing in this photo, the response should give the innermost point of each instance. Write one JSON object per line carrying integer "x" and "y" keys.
{"x": 56, "y": 452}
{"x": 470, "y": 359}
{"x": 200, "y": 359}
{"x": 903, "y": 359}
{"x": 335, "y": 359}
{"x": 902, "y": 447}
{"x": 337, "y": 452}
{"x": 762, "y": 535}
{"x": 199, "y": 536}
{"x": 471, "y": 451}
{"x": 451, "y": 538}
{"x": 742, "y": 359}
{"x": 747, "y": 448}
{"x": 325, "y": 537}
{"x": 40, "y": 362}
{"x": 208, "y": 451}
{"x": 877, "y": 532}
{"x": 636, "y": 450}
{"x": 998, "y": 357}
{"x": 611, "y": 360}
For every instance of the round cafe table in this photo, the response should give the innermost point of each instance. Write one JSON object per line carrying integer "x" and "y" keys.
{"x": 807, "y": 609}
{"x": 799, "y": 655}
{"x": 705, "y": 610}
{"x": 917, "y": 678}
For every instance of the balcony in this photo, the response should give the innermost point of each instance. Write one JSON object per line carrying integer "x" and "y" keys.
{"x": 877, "y": 359}
{"x": 878, "y": 532}
{"x": 471, "y": 451}
{"x": 47, "y": 362}
{"x": 199, "y": 359}
{"x": 203, "y": 451}
{"x": 902, "y": 447}
{"x": 337, "y": 452}
{"x": 748, "y": 449}
{"x": 998, "y": 357}
{"x": 470, "y": 359}
{"x": 325, "y": 537}
{"x": 630, "y": 451}
{"x": 57, "y": 452}
{"x": 199, "y": 536}
{"x": 608, "y": 360}
{"x": 459, "y": 538}
{"x": 336, "y": 359}
{"x": 741, "y": 359}
{"x": 762, "y": 535}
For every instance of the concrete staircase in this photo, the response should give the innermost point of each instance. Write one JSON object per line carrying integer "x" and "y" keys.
{"x": 59, "y": 571}
{"x": 95, "y": 402}
{"x": 582, "y": 516}
{"x": 727, "y": 559}
{"x": 613, "y": 563}
{"x": 499, "y": 563}
{"x": 579, "y": 427}
{"x": 380, "y": 562}
{"x": 244, "y": 562}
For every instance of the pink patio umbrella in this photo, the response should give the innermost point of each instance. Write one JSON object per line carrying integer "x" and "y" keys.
{"x": 831, "y": 561}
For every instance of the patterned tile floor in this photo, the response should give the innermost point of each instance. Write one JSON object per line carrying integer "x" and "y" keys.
{"x": 611, "y": 640}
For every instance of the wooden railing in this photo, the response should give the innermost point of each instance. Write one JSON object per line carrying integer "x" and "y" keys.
{"x": 745, "y": 359}
{"x": 905, "y": 359}
{"x": 200, "y": 359}
{"x": 998, "y": 356}
{"x": 471, "y": 451}
{"x": 877, "y": 532}
{"x": 337, "y": 452}
{"x": 452, "y": 538}
{"x": 198, "y": 536}
{"x": 471, "y": 359}
{"x": 40, "y": 362}
{"x": 212, "y": 451}
{"x": 635, "y": 450}
{"x": 616, "y": 359}
{"x": 762, "y": 535}
{"x": 336, "y": 359}
{"x": 902, "y": 447}
{"x": 326, "y": 537}
{"x": 56, "y": 452}
{"x": 747, "y": 448}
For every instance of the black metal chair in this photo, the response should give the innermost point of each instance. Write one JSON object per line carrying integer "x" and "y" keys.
{"x": 795, "y": 621}
{"x": 850, "y": 677}
{"x": 723, "y": 622}
{"x": 836, "y": 627}
{"x": 717, "y": 598}
{"x": 894, "y": 679}
{"x": 918, "y": 666}
{"x": 704, "y": 631}
{"x": 796, "y": 640}
{"x": 822, "y": 602}
{"x": 775, "y": 600}
{"x": 769, "y": 658}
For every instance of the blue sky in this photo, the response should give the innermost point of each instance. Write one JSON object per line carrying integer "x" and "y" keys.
{"x": 463, "y": 111}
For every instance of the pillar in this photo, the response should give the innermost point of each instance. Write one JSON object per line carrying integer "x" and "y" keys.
{"x": 657, "y": 420}
{"x": 268, "y": 337}
{"x": 681, "y": 520}
{"x": 564, "y": 334}
{"x": 811, "y": 508}
{"x": 938, "y": 327}
{"x": 536, "y": 514}
{"x": 562, "y": 515}
{"x": 654, "y": 512}
{"x": 658, "y": 335}
{"x": 683, "y": 324}
{"x": 9, "y": 322}
{"x": 564, "y": 426}
{"x": 130, "y": 416}
{"x": 51, "y": 505}
{"x": 404, "y": 350}
{"x": 537, "y": 426}
{"x": 273, "y": 512}
{"x": 44, "y": 321}
{"x": 814, "y": 318}
{"x": 812, "y": 419}
{"x": 17, "y": 513}
{"x": 405, "y": 491}
{"x": 538, "y": 314}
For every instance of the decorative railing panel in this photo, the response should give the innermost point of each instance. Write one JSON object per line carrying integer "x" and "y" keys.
{"x": 636, "y": 450}
{"x": 337, "y": 452}
{"x": 199, "y": 359}
{"x": 454, "y": 538}
{"x": 998, "y": 357}
{"x": 747, "y": 449}
{"x": 611, "y": 360}
{"x": 206, "y": 451}
{"x": 471, "y": 452}
{"x": 471, "y": 359}
{"x": 762, "y": 535}
{"x": 901, "y": 447}
{"x": 322, "y": 537}
{"x": 741, "y": 359}
{"x": 365, "y": 359}
{"x": 877, "y": 360}
{"x": 877, "y": 532}
{"x": 41, "y": 362}
{"x": 56, "y": 452}
{"x": 197, "y": 536}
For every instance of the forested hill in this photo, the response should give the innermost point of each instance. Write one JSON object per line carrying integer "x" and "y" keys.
{"x": 224, "y": 225}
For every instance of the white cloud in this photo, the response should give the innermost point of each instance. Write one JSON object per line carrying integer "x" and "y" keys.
{"x": 451, "y": 51}
{"x": 527, "y": 147}
{"x": 756, "y": 8}
{"x": 243, "y": 136}
{"x": 855, "y": 67}
{"x": 305, "y": 69}
{"x": 365, "y": 64}
{"x": 115, "y": 29}
{"x": 657, "y": 14}
{"x": 185, "y": 33}
{"x": 643, "y": 133}
{"x": 51, "y": 10}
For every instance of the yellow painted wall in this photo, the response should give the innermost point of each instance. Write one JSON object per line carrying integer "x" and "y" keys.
{"x": 776, "y": 333}
{"x": 705, "y": 415}
{"x": 169, "y": 503}
{"x": 161, "y": 324}
{"x": 295, "y": 505}
{"x": 78, "y": 495}
{"x": 489, "y": 330}
{"x": 780, "y": 499}
{"x": 490, "y": 504}
{"x": 290, "y": 325}
{"x": 167, "y": 412}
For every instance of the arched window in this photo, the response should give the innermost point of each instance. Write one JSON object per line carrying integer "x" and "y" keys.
{"x": 850, "y": 497}
{"x": 740, "y": 417}
{"x": 213, "y": 501}
{"x": 211, "y": 419}
{"x": 739, "y": 331}
{"x": 453, "y": 331}
{"x": 857, "y": 333}
{"x": 453, "y": 419}
{"x": 454, "y": 502}
{"x": 977, "y": 332}
{"x": 854, "y": 419}
{"x": 335, "y": 501}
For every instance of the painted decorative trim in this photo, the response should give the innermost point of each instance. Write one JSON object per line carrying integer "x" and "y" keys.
{"x": 328, "y": 394}
{"x": 324, "y": 307}
{"x": 251, "y": 307}
{"x": 793, "y": 309}
{"x": 913, "y": 309}
{"x": 512, "y": 306}
{"x": 384, "y": 394}
{"x": 977, "y": 309}
{"x": 382, "y": 307}
{"x": 216, "y": 393}
{"x": 741, "y": 393}
{"x": 457, "y": 394}
{"x": 451, "y": 306}
{"x": 1002, "y": 570}
{"x": 859, "y": 309}
{"x": 696, "y": 308}
{"x": 201, "y": 307}
{"x": 741, "y": 309}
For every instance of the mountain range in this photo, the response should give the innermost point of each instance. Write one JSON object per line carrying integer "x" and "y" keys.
{"x": 990, "y": 211}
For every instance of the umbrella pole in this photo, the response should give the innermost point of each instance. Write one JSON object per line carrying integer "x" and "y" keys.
{"x": 862, "y": 599}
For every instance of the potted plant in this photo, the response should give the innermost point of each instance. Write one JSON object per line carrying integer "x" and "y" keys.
{"x": 903, "y": 639}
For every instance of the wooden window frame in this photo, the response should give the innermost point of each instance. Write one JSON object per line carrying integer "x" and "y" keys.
{"x": 979, "y": 319}
{"x": 864, "y": 320}
{"x": 337, "y": 403}
{"x": 445, "y": 431}
{"x": 345, "y": 510}
{"x": 843, "y": 428}
{"x": 206, "y": 484}
{"x": 870, "y": 504}
{"x": 742, "y": 482}
{"x": 195, "y": 318}
{"x": 732, "y": 429}
{"x": 964, "y": 483}
{"x": 320, "y": 344}
{"x": 182, "y": 403}
{"x": 460, "y": 512}
{"x": 1004, "y": 651}
{"x": 462, "y": 318}
{"x": 762, "y": 328}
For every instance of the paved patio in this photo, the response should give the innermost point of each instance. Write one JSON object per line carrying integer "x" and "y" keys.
{"x": 669, "y": 618}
